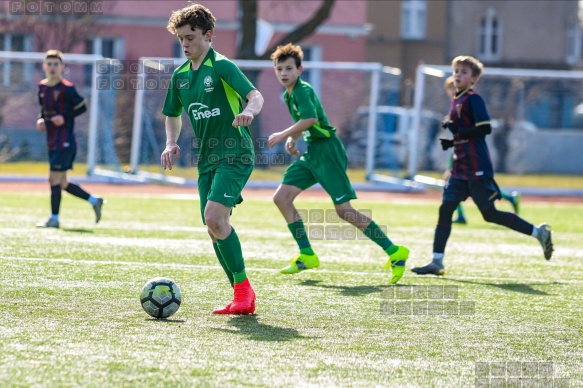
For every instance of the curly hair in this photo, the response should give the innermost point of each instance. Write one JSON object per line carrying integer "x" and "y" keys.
{"x": 476, "y": 66}
{"x": 282, "y": 53}
{"x": 195, "y": 15}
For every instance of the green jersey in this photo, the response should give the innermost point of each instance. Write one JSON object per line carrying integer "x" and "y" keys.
{"x": 212, "y": 96}
{"x": 303, "y": 103}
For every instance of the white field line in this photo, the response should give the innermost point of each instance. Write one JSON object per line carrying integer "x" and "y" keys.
{"x": 262, "y": 269}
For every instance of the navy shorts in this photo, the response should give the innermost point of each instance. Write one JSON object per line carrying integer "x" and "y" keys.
{"x": 483, "y": 191}
{"x": 62, "y": 160}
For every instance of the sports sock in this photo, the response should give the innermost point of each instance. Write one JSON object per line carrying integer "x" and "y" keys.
{"x": 55, "y": 217}
{"x": 223, "y": 264}
{"x": 55, "y": 199}
{"x": 534, "y": 231}
{"x": 438, "y": 258}
{"x": 375, "y": 233}
{"x": 299, "y": 234}
{"x": 230, "y": 249}
{"x": 93, "y": 200}
{"x": 442, "y": 233}
{"x": 460, "y": 211}
{"x": 77, "y": 191}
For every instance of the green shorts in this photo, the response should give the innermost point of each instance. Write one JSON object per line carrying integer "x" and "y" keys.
{"x": 224, "y": 184}
{"x": 325, "y": 163}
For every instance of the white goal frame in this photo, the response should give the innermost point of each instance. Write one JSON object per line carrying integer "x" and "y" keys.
{"x": 375, "y": 69}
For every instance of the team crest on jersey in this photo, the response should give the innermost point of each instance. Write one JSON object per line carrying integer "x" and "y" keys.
{"x": 458, "y": 110}
{"x": 208, "y": 83}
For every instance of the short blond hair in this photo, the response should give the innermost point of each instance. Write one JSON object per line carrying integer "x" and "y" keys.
{"x": 54, "y": 54}
{"x": 476, "y": 66}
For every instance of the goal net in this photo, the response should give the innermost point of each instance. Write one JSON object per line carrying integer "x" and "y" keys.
{"x": 352, "y": 95}
{"x": 20, "y": 141}
{"x": 536, "y": 116}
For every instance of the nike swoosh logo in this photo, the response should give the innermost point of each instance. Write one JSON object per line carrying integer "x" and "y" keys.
{"x": 228, "y": 196}
{"x": 339, "y": 198}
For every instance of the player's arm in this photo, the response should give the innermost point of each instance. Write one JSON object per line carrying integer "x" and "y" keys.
{"x": 40, "y": 121}
{"x": 294, "y": 131}
{"x": 481, "y": 119}
{"x": 173, "y": 127}
{"x": 254, "y": 105}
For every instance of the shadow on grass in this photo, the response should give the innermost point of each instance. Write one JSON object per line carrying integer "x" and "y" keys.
{"x": 166, "y": 320}
{"x": 516, "y": 287}
{"x": 345, "y": 290}
{"x": 251, "y": 327}
{"x": 77, "y": 230}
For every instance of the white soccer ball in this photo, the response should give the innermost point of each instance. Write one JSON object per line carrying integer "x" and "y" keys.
{"x": 160, "y": 297}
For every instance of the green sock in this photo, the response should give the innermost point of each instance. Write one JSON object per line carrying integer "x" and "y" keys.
{"x": 375, "y": 233}
{"x": 460, "y": 211}
{"x": 230, "y": 249}
{"x": 240, "y": 277}
{"x": 223, "y": 264}
{"x": 298, "y": 232}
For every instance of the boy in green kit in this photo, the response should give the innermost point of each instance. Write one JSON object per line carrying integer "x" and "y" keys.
{"x": 324, "y": 162}
{"x": 211, "y": 89}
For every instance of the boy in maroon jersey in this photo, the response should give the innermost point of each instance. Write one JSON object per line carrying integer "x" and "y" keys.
{"x": 472, "y": 174}
{"x": 60, "y": 104}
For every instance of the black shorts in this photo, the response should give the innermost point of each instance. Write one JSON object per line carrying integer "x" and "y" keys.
{"x": 62, "y": 160}
{"x": 483, "y": 191}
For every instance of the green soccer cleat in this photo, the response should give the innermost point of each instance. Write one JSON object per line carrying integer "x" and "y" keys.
{"x": 430, "y": 269}
{"x": 396, "y": 263}
{"x": 300, "y": 263}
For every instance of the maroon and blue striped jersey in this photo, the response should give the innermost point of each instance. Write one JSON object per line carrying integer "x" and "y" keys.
{"x": 471, "y": 158}
{"x": 60, "y": 99}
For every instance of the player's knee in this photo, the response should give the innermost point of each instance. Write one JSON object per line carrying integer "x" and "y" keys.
{"x": 209, "y": 231}
{"x": 490, "y": 214}
{"x": 281, "y": 199}
{"x": 446, "y": 212}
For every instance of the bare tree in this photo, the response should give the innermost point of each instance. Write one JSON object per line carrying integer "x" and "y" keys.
{"x": 248, "y": 27}
{"x": 56, "y": 24}
{"x": 248, "y": 20}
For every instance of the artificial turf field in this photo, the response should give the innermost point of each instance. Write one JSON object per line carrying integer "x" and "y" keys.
{"x": 71, "y": 314}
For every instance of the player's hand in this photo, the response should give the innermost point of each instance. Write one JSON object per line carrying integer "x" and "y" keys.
{"x": 453, "y": 127}
{"x": 275, "y": 138}
{"x": 446, "y": 144}
{"x": 58, "y": 120}
{"x": 171, "y": 150}
{"x": 40, "y": 125}
{"x": 243, "y": 119}
{"x": 290, "y": 146}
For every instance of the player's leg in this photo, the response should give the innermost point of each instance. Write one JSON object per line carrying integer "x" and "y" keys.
{"x": 483, "y": 192}
{"x": 76, "y": 190}
{"x": 55, "y": 178}
{"x": 204, "y": 187}
{"x": 398, "y": 255}
{"x": 296, "y": 179}
{"x": 225, "y": 193}
{"x": 455, "y": 192}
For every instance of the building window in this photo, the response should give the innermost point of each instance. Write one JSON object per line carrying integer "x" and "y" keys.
{"x": 16, "y": 72}
{"x": 573, "y": 43}
{"x": 313, "y": 76}
{"x": 413, "y": 19}
{"x": 489, "y": 32}
{"x": 108, "y": 47}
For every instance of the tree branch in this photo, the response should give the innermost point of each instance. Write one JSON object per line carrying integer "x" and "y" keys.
{"x": 305, "y": 29}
